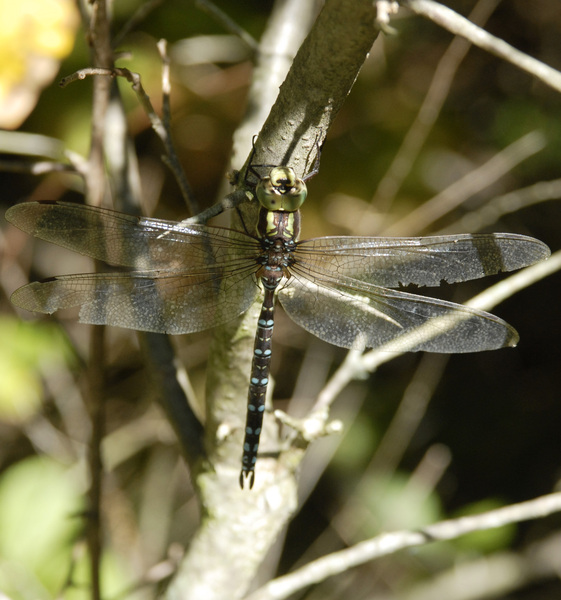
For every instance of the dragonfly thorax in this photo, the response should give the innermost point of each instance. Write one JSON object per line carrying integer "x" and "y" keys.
{"x": 281, "y": 190}
{"x": 278, "y": 224}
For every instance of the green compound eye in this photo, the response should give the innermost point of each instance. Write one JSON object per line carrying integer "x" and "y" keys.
{"x": 281, "y": 190}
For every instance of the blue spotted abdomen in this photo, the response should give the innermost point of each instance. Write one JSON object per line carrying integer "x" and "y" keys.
{"x": 258, "y": 386}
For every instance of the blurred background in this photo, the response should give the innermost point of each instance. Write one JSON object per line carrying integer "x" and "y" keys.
{"x": 426, "y": 437}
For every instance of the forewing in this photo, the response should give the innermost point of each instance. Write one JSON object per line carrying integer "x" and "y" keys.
{"x": 397, "y": 321}
{"x": 391, "y": 262}
{"x": 126, "y": 240}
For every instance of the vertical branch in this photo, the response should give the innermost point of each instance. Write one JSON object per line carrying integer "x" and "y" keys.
{"x": 96, "y": 408}
{"x": 101, "y": 56}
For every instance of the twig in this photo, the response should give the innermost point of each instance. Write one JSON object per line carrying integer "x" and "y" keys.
{"x": 159, "y": 126}
{"x": 96, "y": 187}
{"x": 496, "y": 208}
{"x": 166, "y": 85}
{"x": 455, "y": 23}
{"x": 384, "y": 10}
{"x": 140, "y": 15}
{"x": 36, "y": 168}
{"x": 171, "y": 159}
{"x": 515, "y": 283}
{"x": 229, "y": 24}
{"x": 429, "y": 111}
{"x": 389, "y": 543}
{"x": 409, "y": 413}
{"x": 30, "y": 144}
{"x": 471, "y": 183}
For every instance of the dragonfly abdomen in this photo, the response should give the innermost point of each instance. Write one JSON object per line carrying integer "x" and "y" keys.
{"x": 259, "y": 381}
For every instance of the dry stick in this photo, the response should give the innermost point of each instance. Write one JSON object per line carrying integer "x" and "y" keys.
{"x": 166, "y": 85}
{"x": 389, "y": 543}
{"x": 32, "y": 144}
{"x": 159, "y": 126}
{"x": 95, "y": 183}
{"x": 223, "y": 19}
{"x": 496, "y": 208}
{"x": 490, "y": 576}
{"x": 430, "y": 109}
{"x": 471, "y": 183}
{"x": 140, "y": 15}
{"x": 455, "y": 23}
{"x": 171, "y": 159}
{"x": 36, "y": 168}
{"x": 409, "y": 413}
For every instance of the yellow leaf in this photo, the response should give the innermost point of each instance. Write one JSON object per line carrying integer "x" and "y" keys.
{"x": 34, "y": 36}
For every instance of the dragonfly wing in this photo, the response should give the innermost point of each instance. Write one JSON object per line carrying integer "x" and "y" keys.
{"x": 160, "y": 302}
{"x": 391, "y": 262}
{"x": 397, "y": 321}
{"x": 126, "y": 240}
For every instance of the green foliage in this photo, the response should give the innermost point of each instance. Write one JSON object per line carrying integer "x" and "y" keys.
{"x": 27, "y": 350}
{"x": 40, "y": 502}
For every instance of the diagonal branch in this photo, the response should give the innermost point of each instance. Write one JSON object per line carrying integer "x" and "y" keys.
{"x": 458, "y": 25}
{"x": 389, "y": 543}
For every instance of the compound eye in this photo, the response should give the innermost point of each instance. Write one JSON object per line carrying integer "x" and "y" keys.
{"x": 281, "y": 190}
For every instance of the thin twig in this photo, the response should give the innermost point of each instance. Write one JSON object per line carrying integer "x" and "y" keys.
{"x": 31, "y": 144}
{"x": 171, "y": 159}
{"x": 389, "y": 543}
{"x": 429, "y": 111}
{"x": 166, "y": 85}
{"x": 157, "y": 124}
{"x": 515, "y": 283}
{"x": 36, "y": 168}
{"x": 496, "y": 208}
{"x": 384, "y": 10}
{"x": 455, "y": 23}
{"x": 470, "y": 184}
{"x": 229, "y": 24}
{"x": 140, "y": 15}
{"x": 96, "y": 187}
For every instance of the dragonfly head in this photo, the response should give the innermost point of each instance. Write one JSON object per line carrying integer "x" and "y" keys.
{"x": 281, "y": 190}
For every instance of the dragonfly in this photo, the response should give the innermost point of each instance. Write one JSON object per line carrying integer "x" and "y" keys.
{"x": 184, "y": 278}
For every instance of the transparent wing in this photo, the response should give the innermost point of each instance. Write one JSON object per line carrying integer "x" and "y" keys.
{"x": 191, "y": 278}
{"x": 163, "y": 303}
{"x": 129, "y": 241}
{"x": 391, "y": 262}
{"x": 358, "y": 312}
